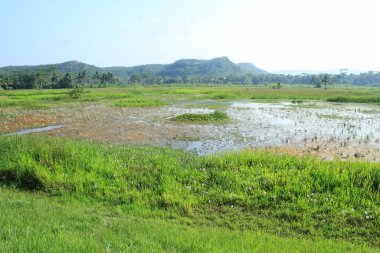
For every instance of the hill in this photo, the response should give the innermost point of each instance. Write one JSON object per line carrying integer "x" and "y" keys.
{"x": 215, "y": 67}
{"x": 182, "y": 68}
{"x": 62, "y": 68}
{"x": 250, "y": 68}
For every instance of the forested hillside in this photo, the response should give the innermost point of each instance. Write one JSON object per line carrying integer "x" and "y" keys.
{"x": 185, "y": 71}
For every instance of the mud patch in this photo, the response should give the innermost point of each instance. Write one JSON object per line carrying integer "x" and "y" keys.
{"x": 345, "y": 131}
{"x": 23, "y": 119}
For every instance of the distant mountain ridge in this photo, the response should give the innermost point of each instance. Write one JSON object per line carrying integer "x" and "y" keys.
{"x": 185, "y": 71}
{"x": 221, "y": 66}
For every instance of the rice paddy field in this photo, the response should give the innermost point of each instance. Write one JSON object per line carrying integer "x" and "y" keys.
{"x": 190, "y": 169}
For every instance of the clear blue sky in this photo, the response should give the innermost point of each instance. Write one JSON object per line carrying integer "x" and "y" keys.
{"x": 273, "y": 34}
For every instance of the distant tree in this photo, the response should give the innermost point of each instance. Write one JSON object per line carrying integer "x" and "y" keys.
{"x": 5, "y": 82}
{"x": 82, "y": 77}
{"x": 316, "y": 81}
{"x": 23, "y": 80}
{"x": 323, "y": 80}
{"x": 66, "y": 81}
{"x": 277, "y": 86}
{"x": 40, "y": 78}
{"x": 54, "y": 79}
{"x": 97, "y": 76}
{"x": 327, "y": 79}
{"x": 105, "y": 78}
{"x": 135, "y": 79}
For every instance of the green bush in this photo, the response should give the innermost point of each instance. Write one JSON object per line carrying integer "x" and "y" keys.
{"x": 76, "y": 92}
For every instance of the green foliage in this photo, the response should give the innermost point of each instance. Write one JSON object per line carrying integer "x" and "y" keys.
{"x": 223, "y": 96}
{"x": 162, "y": 95}
{"x": 105, "y": 77}
{"x": 66, "y": 81}
{"x": 277, "y": 193}
{"x": 216, "y": 116}
{"x": 187, "y": 71}
{"x": 370, "y": 100}
{"x": 7, "y": 115}
{"x": 32, "y": 222}
{"x": 277, "y": 86}
{"x": 76, "y": 92}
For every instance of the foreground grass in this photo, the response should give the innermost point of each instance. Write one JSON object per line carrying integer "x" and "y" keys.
{"x": 216, "y": 116}
{"x": 161, "y": 95}
{"x": 245, "y": 191}
{"x": 33, "y": 222}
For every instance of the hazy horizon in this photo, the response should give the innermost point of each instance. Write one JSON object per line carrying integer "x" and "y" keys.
{"x": 272, "y": 34}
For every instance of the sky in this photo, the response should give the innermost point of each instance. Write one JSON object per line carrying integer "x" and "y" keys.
{"x": 272, "y": 34}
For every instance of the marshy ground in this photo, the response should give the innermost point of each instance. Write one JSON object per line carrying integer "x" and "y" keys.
{"x": 327, "y": 130}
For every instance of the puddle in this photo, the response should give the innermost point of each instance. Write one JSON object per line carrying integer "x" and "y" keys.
{"x": 35, "y": 130}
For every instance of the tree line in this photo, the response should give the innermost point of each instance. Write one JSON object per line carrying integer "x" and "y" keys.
{"x": 45, "y": 80}
{"x": 316, "y": 80}
{"x": 48, "y": 80}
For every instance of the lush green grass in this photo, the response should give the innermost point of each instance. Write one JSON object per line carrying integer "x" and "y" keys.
{"x": 244, "y": 191}
{"x": 66, "y": 195}
{"x": 216, "y": 116}
{"x": 33, "y": 222}
{"x": 368, "y": 100}
{"x": 159, "y": 95}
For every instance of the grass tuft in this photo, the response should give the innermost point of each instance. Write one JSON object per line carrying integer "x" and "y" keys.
{"x": 216, "y": 116}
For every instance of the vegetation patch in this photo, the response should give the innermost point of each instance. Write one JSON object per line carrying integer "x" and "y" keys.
{"x": 187, "y": 138}
{"x": 331, "y": 116}
{"x": 257, "y": 190}
{"x": 306, "y": 106}
{"x": 297, "y": 101}
{"x": 373, "y": 111}
{"x": 213, "y": 105}
{"x": 7, "y": 115}
{"x": 223, "y": 96}
{"x": 139, "y": 102}
{"x": 135, "y": 96}
{"x": 216, "y": 116}
{"x": 70, "y": 225}
{"x": 369, "y": 100}
{"x": 76, "y": 92}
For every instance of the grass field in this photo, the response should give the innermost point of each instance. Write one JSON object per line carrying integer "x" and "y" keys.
{"x": 34, "y": 222}
{"x": 65, "y": 195}
{"x": 161, "y": 95}
{"x": 92, "y": 196}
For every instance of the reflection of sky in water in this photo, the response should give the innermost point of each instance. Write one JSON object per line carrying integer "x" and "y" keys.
{"x": 36, "y": 130}
{"x": 268, "y": 125}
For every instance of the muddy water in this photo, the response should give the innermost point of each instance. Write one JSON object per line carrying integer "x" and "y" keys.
{"x": 327, "y": 130}
{"x": 340, "y": 129}
{"x": 35, "y": 130}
